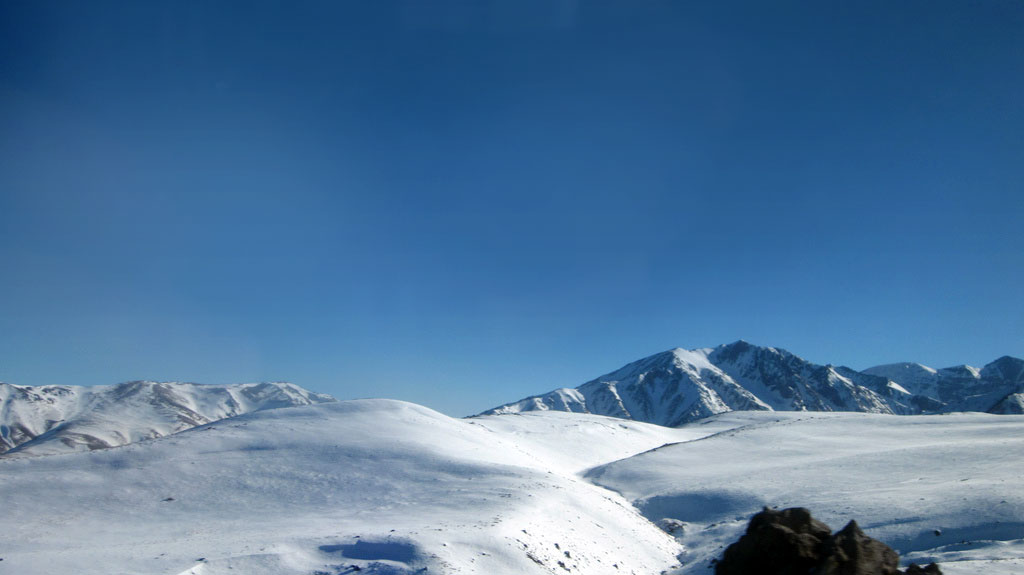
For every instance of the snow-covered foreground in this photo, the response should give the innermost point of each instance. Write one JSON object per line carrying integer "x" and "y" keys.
{"x": 388, "y": 486}
{"x": 394, "y": 488}
{"x": 945, "y": 488}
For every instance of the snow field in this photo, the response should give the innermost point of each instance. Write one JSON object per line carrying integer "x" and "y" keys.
{"x": 388, "y": 486}
{"x": 395, "y": 488}
{"x": 947, "y": 488}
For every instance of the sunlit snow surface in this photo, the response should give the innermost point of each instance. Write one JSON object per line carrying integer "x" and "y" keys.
{"x": 395, "y": 488}
{"x": 946, "y": 488}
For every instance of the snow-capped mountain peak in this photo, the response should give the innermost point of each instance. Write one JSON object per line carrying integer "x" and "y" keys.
{"x": 680, "y": 385}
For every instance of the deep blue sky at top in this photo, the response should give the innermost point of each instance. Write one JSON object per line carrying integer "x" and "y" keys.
{"x": 461, "y": 204}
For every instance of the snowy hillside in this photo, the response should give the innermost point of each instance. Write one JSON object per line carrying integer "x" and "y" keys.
{"x": 386, "y": 487}
{"x": 943, "y": 488}
{"x": 680, "y": 386}
{"x": 61, "y": 419}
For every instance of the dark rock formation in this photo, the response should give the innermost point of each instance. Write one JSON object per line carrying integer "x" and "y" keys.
{"x": 851, "y": 552}
{"x": 791, "y": 542}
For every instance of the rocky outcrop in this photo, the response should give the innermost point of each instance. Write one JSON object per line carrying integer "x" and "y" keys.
{"x": 791, "y": 542}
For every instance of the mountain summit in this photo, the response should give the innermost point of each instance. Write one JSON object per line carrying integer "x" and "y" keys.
{"x": 679, "y": 386}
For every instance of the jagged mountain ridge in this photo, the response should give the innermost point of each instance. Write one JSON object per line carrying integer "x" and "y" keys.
{"x": 964, "y": 387}
{"x": 679, "y": 386}
{"x": 42, "y": 420}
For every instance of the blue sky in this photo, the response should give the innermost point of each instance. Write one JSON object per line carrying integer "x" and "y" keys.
{"x": 461, "y": 204}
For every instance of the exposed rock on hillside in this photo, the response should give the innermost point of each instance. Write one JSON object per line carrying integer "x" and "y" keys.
{"x": 791, "y": 542}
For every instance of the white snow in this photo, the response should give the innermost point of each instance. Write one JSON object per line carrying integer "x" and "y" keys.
{"x": 396, "y": 488}
{"x": 389, "y": 486}
{"x": 694, "y": 360}
{"x": 902, "y": 478}
{"x": 575, "y": 442}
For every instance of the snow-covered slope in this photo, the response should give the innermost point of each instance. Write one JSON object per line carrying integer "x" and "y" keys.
{"x": 680, "y": 386}
{"x": 941, "y": 488}
{"x": 60, "y": 419}
{"x": 387, "y": 486}
{"x": 913, "y": 377}
{"x": 1011, "y": 404}
{"x": 392, "y": 488}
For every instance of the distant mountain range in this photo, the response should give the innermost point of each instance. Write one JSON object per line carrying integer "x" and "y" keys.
{"x": 669, "y": 388}
{"x": 679, "y": 386}
{"x": 55, "y": 419}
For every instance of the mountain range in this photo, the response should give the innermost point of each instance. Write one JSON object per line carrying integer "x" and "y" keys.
{"x": 669, "y": 388}
{"x": 680, "y": 386}
{"x": 384, "y": 487}
{"x": 43, "y": 420}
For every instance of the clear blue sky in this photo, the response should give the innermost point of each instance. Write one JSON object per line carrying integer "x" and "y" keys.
{"x": 461, "y": 204}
